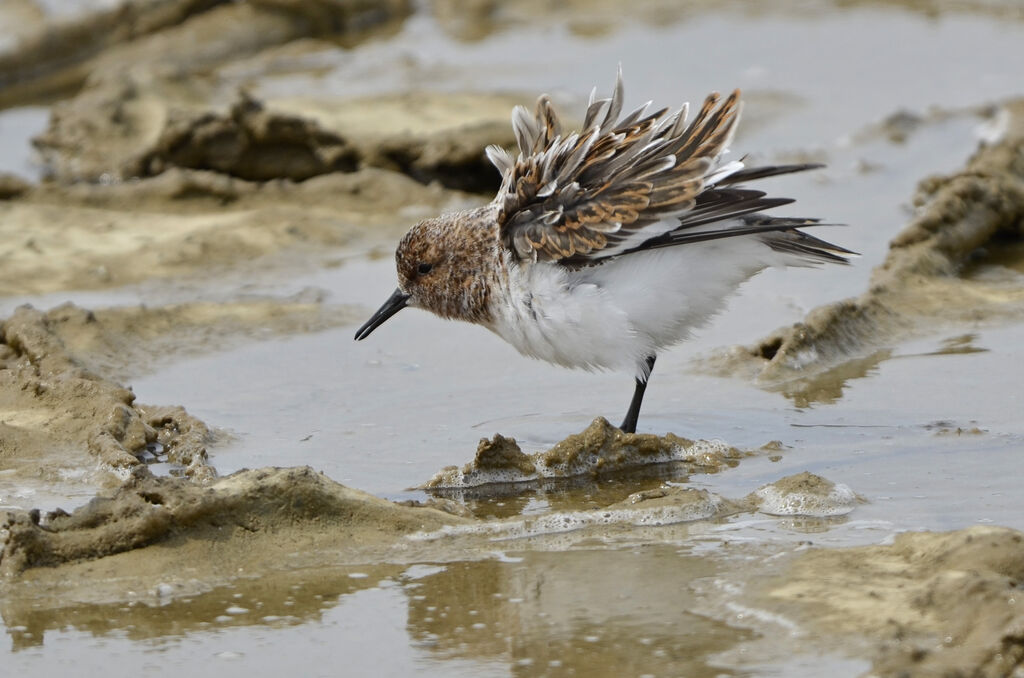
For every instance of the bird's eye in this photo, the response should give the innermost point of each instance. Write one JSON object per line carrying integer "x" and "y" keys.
{"x": 424, "y": 268}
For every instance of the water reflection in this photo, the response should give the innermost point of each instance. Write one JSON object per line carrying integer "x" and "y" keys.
{"x": 566, "y": 494}
{"x": 582, "y": 612}
{"x": 594, "y": 611}
{"x": 827, "y": 387}
{"x": 279, "y": 600}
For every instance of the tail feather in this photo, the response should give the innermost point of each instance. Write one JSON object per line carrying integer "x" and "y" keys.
{"x": 738, "y": 211}
{"x": 754, "y": 173}
{"x": 805, "y": 246}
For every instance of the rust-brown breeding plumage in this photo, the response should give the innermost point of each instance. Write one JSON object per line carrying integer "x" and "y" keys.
{"x": 602, "y": 246}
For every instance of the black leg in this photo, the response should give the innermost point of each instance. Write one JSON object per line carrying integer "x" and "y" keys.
{"x": 629, "y": 424}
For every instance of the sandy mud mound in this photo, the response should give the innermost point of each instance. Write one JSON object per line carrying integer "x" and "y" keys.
{"x": 946, "y": 604}
{"x": 147, "y": 510}
{"x": 600, "y": 450}
{"x": 960, "y": 218}
{"x": 805, "y": 494}
{"x": 50, "y": 404}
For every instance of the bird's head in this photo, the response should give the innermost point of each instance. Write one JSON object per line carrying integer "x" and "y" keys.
{"x": 444, "y": 266}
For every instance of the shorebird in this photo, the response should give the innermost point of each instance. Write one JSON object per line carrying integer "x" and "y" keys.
{"x": 606, "y": 245}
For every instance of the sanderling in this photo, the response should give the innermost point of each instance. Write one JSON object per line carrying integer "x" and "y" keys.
{"x": 606, "y": 245}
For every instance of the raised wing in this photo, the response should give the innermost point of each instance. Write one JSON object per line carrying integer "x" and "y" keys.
{"x": 619, "y": 182}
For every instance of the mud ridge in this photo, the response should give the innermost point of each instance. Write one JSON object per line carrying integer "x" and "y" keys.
{"x": 149, "y": 129}
{"x": 918, "y": 286}
{"x": 147, "y": 510}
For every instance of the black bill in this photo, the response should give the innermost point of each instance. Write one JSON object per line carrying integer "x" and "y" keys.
{"x": 395, "y": 303}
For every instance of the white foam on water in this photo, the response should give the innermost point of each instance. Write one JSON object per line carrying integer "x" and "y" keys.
{"x": 570, "y": 521}
{"x": 839, "y": 501}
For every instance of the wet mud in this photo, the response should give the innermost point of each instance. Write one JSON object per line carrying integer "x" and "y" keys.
{"x": 52, "y": 403}
{"x": 937, "y": 603}
{"x": 279, "y": 506}
{"x": 122, "y": 342}
{"x": 255, "y": 521}
{"x": 63, "y": 404}
{"x": 927, "y": 602}
{"x": 145, "y": 131}
{"x": 185, "y": 222}
{"x": 600, "y": 450}
{"x": 163, "y": 35}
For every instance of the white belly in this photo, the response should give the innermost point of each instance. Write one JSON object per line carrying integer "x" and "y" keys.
{"x": 546, "y": 315}
{"x": 615, "y": 315}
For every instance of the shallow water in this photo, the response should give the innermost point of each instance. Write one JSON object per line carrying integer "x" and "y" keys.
{"x": 384, "y": 414}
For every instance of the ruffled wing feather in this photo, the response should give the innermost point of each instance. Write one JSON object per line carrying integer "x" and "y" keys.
{"x": 627, "y": 184}
{"x": 587, "y": 192}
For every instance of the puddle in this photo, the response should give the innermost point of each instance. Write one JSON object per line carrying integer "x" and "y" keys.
{"x": 17, "y": 127}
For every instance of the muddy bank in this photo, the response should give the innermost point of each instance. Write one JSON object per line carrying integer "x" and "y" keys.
{"x": 927, "y": 602}
{"x": 187, "y": 223}
{"x": 142, "y": 130}
{"x": 960, "y": 221}
{"x": 138, "y": 116}
{"x": 147, "y": 183}
{"x": 62, "y": 402}
{"x": 945, "y": 604}
{"x": 285, "y": 507}
{"x": 195, "y": 35}
{"x": 126, "y": 341}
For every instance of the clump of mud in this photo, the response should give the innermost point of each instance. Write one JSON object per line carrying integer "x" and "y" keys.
{"x": 805, "y": 494}
{"x": 51, "y": 402}
{"x": 948, "y": 604}
{"x": 599, "y": 450}
{"x": 919, "y": 285}
{"x": 12, "y": 186}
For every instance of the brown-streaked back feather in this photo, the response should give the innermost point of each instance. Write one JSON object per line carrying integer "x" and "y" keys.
{"x": 584, "y": 193}
{"x": 643, "y": 181}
